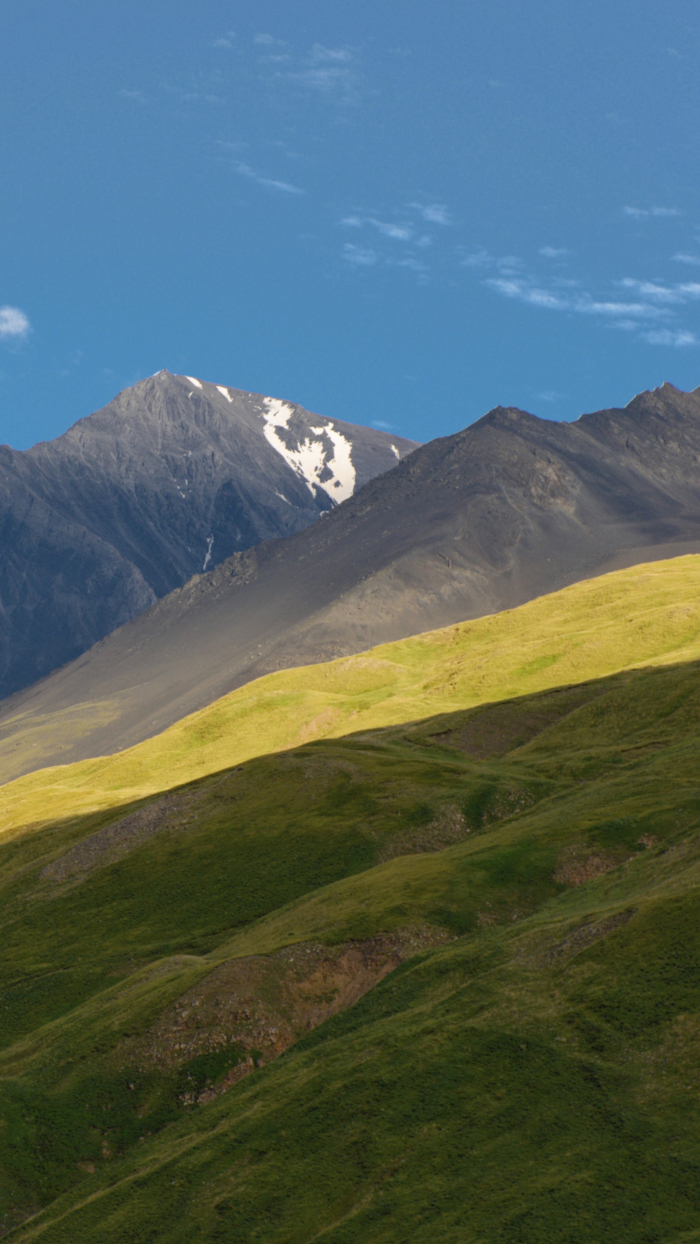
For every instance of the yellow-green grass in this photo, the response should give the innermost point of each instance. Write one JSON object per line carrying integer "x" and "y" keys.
{"x": 648, "y": 615}
{"x": 527, "y": 1082}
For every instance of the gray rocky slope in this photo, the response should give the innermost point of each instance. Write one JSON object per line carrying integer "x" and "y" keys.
{"x": 509, "y": 509}
{"x": 170, "y": 478}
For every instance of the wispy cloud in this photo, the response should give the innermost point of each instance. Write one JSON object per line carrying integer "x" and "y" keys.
{"x": 434, "y": 213}
{"x": 245, "y": 170}
{"x": 526, "y": 292}
{"x": 268, "y": 41}
{"x": 399, "y": 233}
{"x": 477, "y": 259}
{"x": 653, "y": 302}
{"x": 670, "y": 337}
{"x": 691, "y": 259}
{"x": 409, "y": 232}
{"x": 554, "y": 252}
{"x": 332, "y": 73}
{"x": 14, "y": 324}
{"x": 638, "y": 212}
{"x": 410, "y": 261}
{"x": 361, "y": 256}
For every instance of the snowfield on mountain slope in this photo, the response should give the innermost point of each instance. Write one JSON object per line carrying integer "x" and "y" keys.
{"x": 310, "y": 460}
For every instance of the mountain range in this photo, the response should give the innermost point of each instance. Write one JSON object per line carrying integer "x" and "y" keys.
{"x": 401, "y": 945}
{"x": 168, "y": 480}
{"x": 509, "y": 509}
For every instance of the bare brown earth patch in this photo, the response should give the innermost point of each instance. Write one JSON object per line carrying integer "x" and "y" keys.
{"x": 262, "y": 1004}
{"x": 118, "y": 839}
{"x": 577, "y": 864}
{"x": 447, "y": 828}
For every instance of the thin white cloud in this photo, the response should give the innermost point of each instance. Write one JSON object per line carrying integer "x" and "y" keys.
{"x": 351, "y": 222}
{"x": 477, "y": 259}
{"x": 638, "y": 212}
{"x": 244, "y": 170}
{"x": 400, "y": 233}
{"x": 279, "y": 185}
{"x": 321, "y": 55}
{"x": 554, "y": 252}
{"x": 651, "y": 289}
{"x": 527, "y": 293}
{"x": 14, "y": 324}
{"x": 225, "y": 41}
{"x": 361, "y": 256}
{"x": 269, "y": 41}
{"x": 329, "y": 72}
{"x": 524, "y": 290}
{"x": 326, "y": 80}
{"x": 434, "y": 213}
{"x": 670, "y": 294}
{"x": 692, "y": 259}
{"x": 679, "y": 338}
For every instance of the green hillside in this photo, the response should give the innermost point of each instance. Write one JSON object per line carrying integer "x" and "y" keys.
{"x": 432, "y": 976}
{"x": 647, "y": 615}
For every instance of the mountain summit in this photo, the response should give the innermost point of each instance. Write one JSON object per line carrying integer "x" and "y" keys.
{"x": 509, "y": 509}
{"x": 168, "y": 480}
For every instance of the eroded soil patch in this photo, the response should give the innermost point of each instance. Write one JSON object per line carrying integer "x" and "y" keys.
{"x": 446, "y": 829}
{"x": 260, "y": 1005}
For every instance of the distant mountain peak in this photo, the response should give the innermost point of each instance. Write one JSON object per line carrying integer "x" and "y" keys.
{"x": 172, "y": 477}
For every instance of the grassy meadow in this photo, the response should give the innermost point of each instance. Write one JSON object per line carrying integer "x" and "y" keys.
{"x": 401, "y": 947}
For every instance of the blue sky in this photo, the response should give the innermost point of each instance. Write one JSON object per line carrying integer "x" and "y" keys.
{"x": 400, "y": 214}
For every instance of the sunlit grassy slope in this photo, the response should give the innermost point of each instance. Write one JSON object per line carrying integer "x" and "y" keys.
{"x": 531, "y": 1077}
{"x": 647, "y": 615}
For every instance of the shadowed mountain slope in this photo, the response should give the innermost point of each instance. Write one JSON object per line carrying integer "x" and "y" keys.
{"x": 437, "y": 981}
{"x": 509, "y": 509}
{"x": 170, "y": 478}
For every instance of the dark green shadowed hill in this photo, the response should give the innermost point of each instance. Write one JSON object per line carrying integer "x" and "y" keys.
{"x": 427, "y": 982}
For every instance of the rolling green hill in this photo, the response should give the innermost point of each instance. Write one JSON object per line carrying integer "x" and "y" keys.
{"x": 401, "y": 947}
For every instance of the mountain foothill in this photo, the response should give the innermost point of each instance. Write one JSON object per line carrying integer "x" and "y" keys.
{"x": 350, "y": 856}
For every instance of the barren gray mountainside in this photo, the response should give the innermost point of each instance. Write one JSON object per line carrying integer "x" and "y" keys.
{"x": 169, "y": 479}
{"x": 509, "y": 509}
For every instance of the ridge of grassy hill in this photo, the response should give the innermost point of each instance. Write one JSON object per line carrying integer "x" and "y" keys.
{"x": 435, "y": 980}
{"x": 648, "y": 614}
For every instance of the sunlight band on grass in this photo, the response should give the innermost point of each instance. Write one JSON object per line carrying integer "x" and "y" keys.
{"x": 647, "y": 615}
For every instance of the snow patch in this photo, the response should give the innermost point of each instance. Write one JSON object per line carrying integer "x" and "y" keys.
{"x": 192, "y": 380}
{"x": 207, "y": 559}
{"x": 310, "y": 459}
{"x": 398, "y": 455}
{"x": 282, "y": 497}
{"x": 224, "y": 392}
